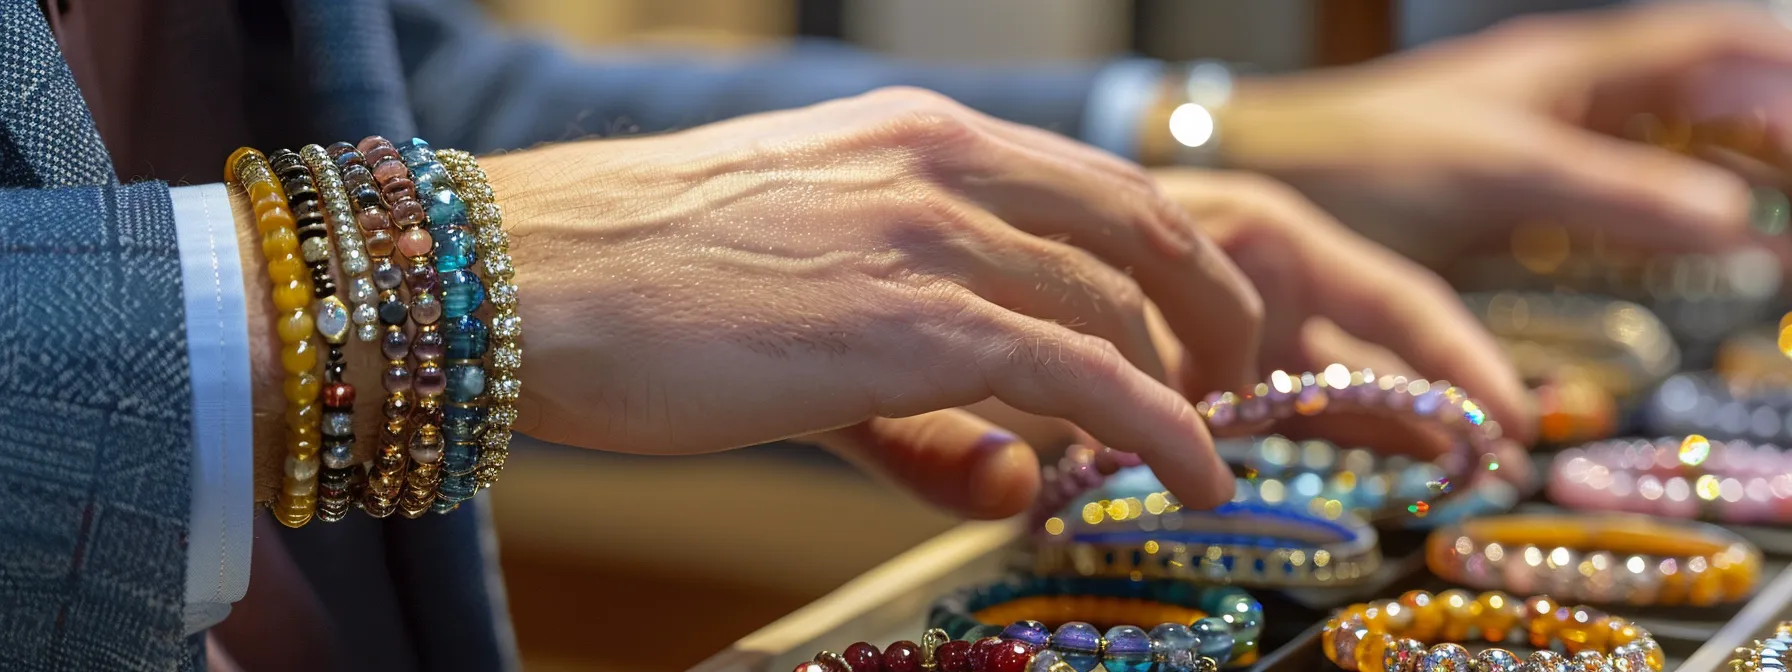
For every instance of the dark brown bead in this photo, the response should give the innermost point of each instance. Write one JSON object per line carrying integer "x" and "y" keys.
{"x": 339, "y": 395}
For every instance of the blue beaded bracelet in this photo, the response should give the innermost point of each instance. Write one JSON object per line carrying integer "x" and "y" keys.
{"x": 462, "y": 294}
{"x": 1229, "y": 634}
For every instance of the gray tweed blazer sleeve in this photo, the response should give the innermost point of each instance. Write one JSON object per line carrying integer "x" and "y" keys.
{"x": 94, "y": 431}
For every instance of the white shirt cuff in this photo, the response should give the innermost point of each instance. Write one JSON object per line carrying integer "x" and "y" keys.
{"x": 1117, "y": 103}
{"x": 222, "y": 527}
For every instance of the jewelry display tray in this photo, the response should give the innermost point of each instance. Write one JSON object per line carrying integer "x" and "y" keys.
{"x": 890, "y": 603}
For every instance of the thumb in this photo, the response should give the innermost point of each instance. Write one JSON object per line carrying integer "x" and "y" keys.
{"x": 1635, "y": 194}
{"x": 950, "y": 458}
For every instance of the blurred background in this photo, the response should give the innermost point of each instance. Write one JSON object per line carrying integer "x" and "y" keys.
{"x": 594, "y": 545}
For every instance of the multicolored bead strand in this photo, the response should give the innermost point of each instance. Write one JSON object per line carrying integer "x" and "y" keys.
{"x": 463, "y": 293}
{"x": 385, "y": 479}
{"x": 1390, "y": 635}
{"x": 506, "y": 355}
{"x": 417, "y": 244}
{"x": 331, "y": 318}
{"x": 293, "y": 294}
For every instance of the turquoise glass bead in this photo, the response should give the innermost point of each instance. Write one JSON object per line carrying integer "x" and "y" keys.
{"x": 467, "y": 337}
{"x": 465, "y": 383}
{"x": 1245, "y": 616}
{"x": 446, "y": 209}
{"x": 453, "y": 248}
{"x": 1128, "y": 650}
{"x": 1216, "y": 638}
{"x": 462, "y": 293}
{"x": 1080, "y": 645}
{"x": 460, "y": 456}
{"x": 461, "y": 423}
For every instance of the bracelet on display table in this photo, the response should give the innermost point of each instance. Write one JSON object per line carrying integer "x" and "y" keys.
{"x": 1773, "y": 654}
{"x": 1704, "y": 404}
{"x": 1607, "y": 558}
{"x": 1689, "y": 477}
{"x": 1243, "y": 544}
{"x": 1196, "y": 627}
{"x": 1392, "y": 635}
{"x": 1621, "y": 344}
{"x": 1330, "y": 481}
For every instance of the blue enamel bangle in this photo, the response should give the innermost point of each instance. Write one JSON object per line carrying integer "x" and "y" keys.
{"x": 464, "y": 333}
{"x": 1244, "y": 544}
{"x": 1228, "y": 634}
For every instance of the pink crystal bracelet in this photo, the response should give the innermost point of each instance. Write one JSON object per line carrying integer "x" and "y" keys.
{"x": 1336, "y": 389}
{"x": 1689, "y": 477}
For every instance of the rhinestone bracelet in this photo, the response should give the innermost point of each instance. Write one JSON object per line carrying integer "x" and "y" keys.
{"x": 1773, "y": 654}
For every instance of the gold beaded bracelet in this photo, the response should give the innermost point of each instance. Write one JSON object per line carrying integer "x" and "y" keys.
{"x": 249, "y": 169}
{"x": 507, "y": 328}
{"x": 1773, "y": 654}
{"x": 1390, "y": 635}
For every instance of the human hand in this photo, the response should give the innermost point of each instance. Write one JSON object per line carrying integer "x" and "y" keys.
{"x": 1445, "y": 149}
{"x": 861, "y": 269}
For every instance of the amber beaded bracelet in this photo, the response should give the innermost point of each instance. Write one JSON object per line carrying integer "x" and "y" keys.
{"x": 292, "y": 289}
{"x": 1390, "y": 635}
{"x": 386, "y": 476}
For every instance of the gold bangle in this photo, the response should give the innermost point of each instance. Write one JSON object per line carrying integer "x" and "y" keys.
{"x": 249, "y": 170}
{"x": 1603, "y": 558}
{"x": 1391, "y": 635}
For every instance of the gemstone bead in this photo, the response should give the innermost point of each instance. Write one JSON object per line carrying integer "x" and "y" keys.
{"x": 415, "y": 243}
{"x": 365, "y": 315}
{"x": 1080, "y": 644}
{"x": 367, "y": 332}
{"x": 1446, "y": 658}
{"x": 338, "y": 424}
{"x": 1498, "y": 660}
{"x": 1010, "y": 657}
{"x": 1245, "y": 616}
{"x": 863, "y": 657}
{"x": 1373, "y": 654}
{"x": 300, "y": 357}
{"x": 903, "y": 656}
{"x": 387, "y": 275}
{"x": 467, "y": 337}
{"x": 453, "y": 248}
{"x": 422, "y": 278}
{"x": 407, "y": 213}
{"x": 396, "y": 379}
{"x": 339, "y": 455}
{"x": 461, "y": 423}
{"x": 393, "y": 312}
{"x": 446, "y": 209}
{"x": 279, "y": 243}
{"x": 430, "y": 380}
{"x": 1128, "y": 650}
{"x": 295, "y": 326}
{"x": 1048, "y": 661}
{"x": 301, "y": 469}
{"x": 1216, "y": 638}
{"x": 1589, "y": 661}
{"x": 425, "y": 309}
{"x": 461, "y": 293}
{"x": 428, "y": 345}
{"x": 1169, "y": 637}
{"x": 954, "y": 656}
{"x": 1031, "y": 633}
{"x": 332, "y": 319}
{"x": 809, "y": 666}
{"x": 292, "y": 294}
{"x": 426, "y": 447}
{"x": 361, "y": 290}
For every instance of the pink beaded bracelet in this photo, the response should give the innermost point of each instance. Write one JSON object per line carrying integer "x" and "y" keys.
{"x": 1678, "y": 478}
{"x": 1335, "y": 389}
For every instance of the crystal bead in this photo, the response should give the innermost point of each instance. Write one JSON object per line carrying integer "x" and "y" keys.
{"x": 361, "y": 290}
{"x": 425, "y": 309}
{"x": 453, "y": 248}
{"x": 1128, "y": 650}
{"x": 392, "y": 312}
{"x": 496, "y": 438}
{"x": 422, "y": 278}
{"x": 467, "y": 337}
{"x": 367, "y": 332}
{"x": 507, "y": 389}
{"x": 465, "y": 383}
{"x": 1498, "y": 660}
{"x": 507, "y": 357}
{"x": 316, "y": 249}
{"x": 338, "y": 424}
{"x": 365, "y": 314}
{"x": 1174, "y": 645}
{"x": 461, "y": 293}
{"x": 498, "y": 264}
{"x": 1446, "y": 658}
{"x": 428, "y": 344}
{"x": 1031, "y": 633}
{"x": 354, "y": 261}
{"x": 446, "y": 209}
{"x": 503, "y": 293}
{"x": 1547, "y": 661}
{"x": 501, "y": 416}
{"x": 430, "y": 380}
{"x": 1080, "y": 645}
{"x": 332, "y": 319}
{"x": 507, "y": 327}
{"x": 1216, "y": 638}
{"x": 1403, "y": 656}
{"x": 1245, "y": 615}
{"x": 1045, "y": 661}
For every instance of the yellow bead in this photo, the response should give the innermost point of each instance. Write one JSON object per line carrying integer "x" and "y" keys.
{"x": 302, "y": 389}
{"x": 1544, "y": 623}
{"x": 292, "y": 295}
{"x": 1427, "y": 615}
{"x": 302, "y": 446}
{"x": 1583, "y": 630}
{"x": 1369, "y": 654}
{"x": 1707, "y": 588}
{"x": 272, "y": 215}
{"x": 259, "y": 191}
{"x": 1461, "y": 613}
{"x": 279, "y": 243}
{"x": 1654, "y": 659}
{"x": 294, "y": 327}
{"x": 300, "y": 357}
{"x": 1786, "y": 341}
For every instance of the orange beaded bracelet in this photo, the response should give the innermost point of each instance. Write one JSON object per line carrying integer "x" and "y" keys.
{"x": 1392, "y": 635}
{"x": 1603, "y": 558}
{"x": 291, "y": 280}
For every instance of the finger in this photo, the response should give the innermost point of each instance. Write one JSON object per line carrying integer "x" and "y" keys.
{"x": 950, "y": 458}
{"x": 1661, "y": 37}
{"x": 1052, "y": 187}
{"x": 1067, "y": 285}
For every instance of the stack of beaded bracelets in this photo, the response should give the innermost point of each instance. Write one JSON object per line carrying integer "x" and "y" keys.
{"x": 1773, "y": 654}
{"x": 1606, "y": 559}
{"x": 1390, "y": 635}
{"x": 1198, "y": 628}
{"x": 1337, "y": 388}
{"x": 433, "y": 454}
{"x": 1244, "y": 544}
{"x": 1690, "y": 477}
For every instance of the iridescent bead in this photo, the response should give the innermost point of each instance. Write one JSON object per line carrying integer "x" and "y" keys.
{"x": 1446, "y": 658}
{"x": 1216, "y": 638}
{"x": 430, "y": 380}
{"x": 428, "y": 344}
{"x": 332, "y": 319}
{"x": 461, "y": 293}
{"x": 425, "y": 309}
{"x": 1173, "y": 644}
{"x": 453, "y": 248}
{"x": 396, "y": 379}
{"x": 1128, "y": 650}
{"x": 465, "y": 383}
{"x": 339, "y": 455}
{"x": 1043, "y": 661}
{"x": 1245, "y": 615}
{"x": 1498, "y": 660}
{"x": 1403, "y": 656}
{"x": 1032, "y": 633}
{"x": 1079, "y": 643}
{"x": 467, "y": 337}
